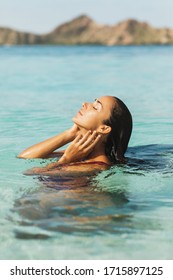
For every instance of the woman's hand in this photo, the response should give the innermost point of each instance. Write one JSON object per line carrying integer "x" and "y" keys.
{"x": 80, "y": 148}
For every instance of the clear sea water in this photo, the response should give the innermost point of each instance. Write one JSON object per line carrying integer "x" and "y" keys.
{"x": 123, "y": 213}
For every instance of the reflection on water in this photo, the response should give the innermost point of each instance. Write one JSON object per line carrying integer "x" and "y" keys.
{"x": 91, "y": 205}
{"x": 79, "y": 209}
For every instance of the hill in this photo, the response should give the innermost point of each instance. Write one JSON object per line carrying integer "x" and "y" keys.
{"x": 83, "y": 31}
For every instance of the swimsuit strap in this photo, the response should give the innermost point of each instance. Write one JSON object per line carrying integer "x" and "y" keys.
{"x": 96, "y": 162}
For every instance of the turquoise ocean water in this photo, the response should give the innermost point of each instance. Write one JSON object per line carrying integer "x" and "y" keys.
{"x": 123, "y": 213}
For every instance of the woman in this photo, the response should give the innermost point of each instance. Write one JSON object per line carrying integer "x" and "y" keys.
{"x": 99, "y": 137}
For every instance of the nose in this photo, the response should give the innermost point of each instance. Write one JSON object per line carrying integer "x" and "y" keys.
{"x": 84, "y": 105}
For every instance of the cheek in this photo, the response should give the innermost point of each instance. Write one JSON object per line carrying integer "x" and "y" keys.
{"x": 89, "y": 121}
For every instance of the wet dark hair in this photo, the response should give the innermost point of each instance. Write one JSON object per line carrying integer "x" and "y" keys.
{"x": 121, "y": 123}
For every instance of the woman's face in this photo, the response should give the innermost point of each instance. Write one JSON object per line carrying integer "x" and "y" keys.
{"x": 93, "y": 114}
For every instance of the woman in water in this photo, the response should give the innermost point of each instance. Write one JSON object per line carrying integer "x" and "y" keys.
{"x": 99, "y": 138}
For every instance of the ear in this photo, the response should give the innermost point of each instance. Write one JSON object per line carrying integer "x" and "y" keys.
{"x": 104, "y": 129}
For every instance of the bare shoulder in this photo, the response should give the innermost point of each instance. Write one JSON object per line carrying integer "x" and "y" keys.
{"x": 85, "y": 166}
{"x": 73, "y": 169}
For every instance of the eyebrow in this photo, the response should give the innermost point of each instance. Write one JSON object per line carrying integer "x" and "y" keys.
{"x": 99, "y": 102}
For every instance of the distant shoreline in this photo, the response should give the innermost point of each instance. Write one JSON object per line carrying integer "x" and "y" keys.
{"x": 83, "y": 46}
{"x": 83, "y": 31}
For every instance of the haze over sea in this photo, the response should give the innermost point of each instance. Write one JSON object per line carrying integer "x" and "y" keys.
{"x": 123, "y": 213}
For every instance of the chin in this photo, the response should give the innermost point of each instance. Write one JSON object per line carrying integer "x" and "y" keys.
{"x": 76, "y": 120}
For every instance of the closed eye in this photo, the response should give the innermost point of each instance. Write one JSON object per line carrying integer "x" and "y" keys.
{"x": 97, "y": 104}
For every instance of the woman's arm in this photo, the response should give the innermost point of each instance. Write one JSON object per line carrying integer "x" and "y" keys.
{"x": 46, "y": 147}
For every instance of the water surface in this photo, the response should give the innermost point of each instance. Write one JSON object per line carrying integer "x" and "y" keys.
{"x": 123, "y": 213}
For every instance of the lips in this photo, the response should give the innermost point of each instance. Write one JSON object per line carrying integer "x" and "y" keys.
{"x": 80, "y": 113}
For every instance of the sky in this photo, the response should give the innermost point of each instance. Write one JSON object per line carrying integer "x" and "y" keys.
{"x": 42, "y": 16}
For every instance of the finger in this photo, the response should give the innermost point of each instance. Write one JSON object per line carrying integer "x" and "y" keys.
{"x": 91, "y": 139}
{"x": 85, "y": 137}
{"x": 94, "y": 142}
{"x": 76, "y": 140}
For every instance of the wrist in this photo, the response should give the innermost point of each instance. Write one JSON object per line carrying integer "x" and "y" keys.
{"x": 63, "y": 159}
{"x": 71, "y": 134}
{"x": 67, "y": 136}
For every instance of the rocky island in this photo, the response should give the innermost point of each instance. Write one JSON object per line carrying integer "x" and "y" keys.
{"x": 84, "y": 31}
